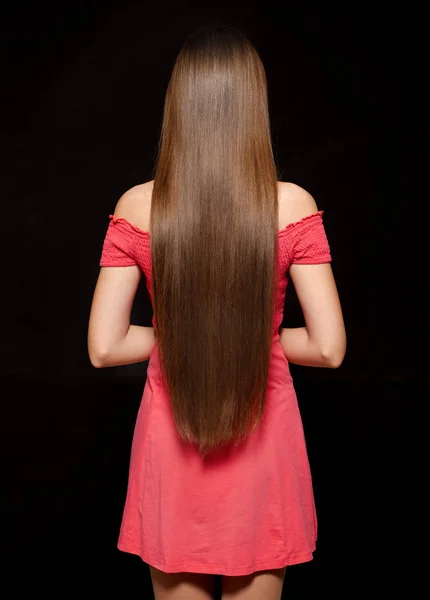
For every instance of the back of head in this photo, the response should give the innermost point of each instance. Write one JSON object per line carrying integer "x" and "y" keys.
{"x": 214, "y": 222}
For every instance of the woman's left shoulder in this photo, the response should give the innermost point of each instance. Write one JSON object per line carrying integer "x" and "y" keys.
{"x": 134, "y": 204}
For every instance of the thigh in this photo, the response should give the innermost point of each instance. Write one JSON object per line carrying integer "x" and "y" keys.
{"x": 261, "y": 584}
{"x": 181, "y": 586}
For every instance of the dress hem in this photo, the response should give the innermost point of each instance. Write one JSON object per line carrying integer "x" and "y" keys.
{"x": 216, "y": 569}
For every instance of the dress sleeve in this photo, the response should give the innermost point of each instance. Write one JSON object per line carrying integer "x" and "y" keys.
{"x": 311, "y": 246}
{"x": 119, "y": 245}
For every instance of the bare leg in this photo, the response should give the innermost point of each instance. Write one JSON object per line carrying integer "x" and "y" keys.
{"x": 265, "y": 585}
{"x": 181, "y": 586}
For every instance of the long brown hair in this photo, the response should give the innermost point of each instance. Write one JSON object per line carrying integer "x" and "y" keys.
{"x": 214, "y": 224}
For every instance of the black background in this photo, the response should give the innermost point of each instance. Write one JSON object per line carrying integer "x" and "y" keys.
{"x": 82, "y": 90}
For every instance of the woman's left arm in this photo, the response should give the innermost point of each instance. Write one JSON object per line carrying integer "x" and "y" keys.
{"x": 112, "y": 340}
{"x": 135, "y": 347}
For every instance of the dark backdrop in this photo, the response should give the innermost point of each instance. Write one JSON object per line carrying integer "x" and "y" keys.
{"x": 82, "y": 88}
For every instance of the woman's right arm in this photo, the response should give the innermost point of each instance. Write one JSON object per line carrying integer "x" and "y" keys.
{"x": 322, "y": 343}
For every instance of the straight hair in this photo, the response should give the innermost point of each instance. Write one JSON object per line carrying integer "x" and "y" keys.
{"x": 214, "y": 239}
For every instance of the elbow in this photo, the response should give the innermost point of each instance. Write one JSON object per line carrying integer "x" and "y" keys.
{"x": 98, "y": 359}
{"x": 97, "y": 348}
{"x": 333, "y": 358}
{"x": 333, "y": 361}
{"x": 97, "y": 363}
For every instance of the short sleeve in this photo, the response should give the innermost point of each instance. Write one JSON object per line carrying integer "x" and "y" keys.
{"x": 310, "y": 246}
{"x": 118, "y": 245}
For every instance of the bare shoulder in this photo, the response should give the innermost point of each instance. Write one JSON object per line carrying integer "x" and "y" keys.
{"x": 294, "y": 203}
{"x": 135, "y": 204}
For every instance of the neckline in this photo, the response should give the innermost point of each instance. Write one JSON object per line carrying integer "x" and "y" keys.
{"x": 285, "y": 229}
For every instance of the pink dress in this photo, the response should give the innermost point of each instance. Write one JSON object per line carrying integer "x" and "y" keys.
{"x": 248, "y": 509}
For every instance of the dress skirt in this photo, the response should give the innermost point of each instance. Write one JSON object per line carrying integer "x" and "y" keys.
{"x": 242, "y": 510}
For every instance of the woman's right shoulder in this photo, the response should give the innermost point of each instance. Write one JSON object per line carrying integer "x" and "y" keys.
{"x": 294, "y": 203}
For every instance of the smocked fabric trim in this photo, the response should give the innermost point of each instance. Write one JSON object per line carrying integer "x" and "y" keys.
{"x": 283, "y": 231}
{"x": 124, "y": 221}
{"x": 308, "y": 218}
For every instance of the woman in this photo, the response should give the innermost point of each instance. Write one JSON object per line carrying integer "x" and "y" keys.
{"x": 219, "y": 479}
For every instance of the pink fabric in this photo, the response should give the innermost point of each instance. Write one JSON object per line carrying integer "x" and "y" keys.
{"x": 249, "y": 508}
